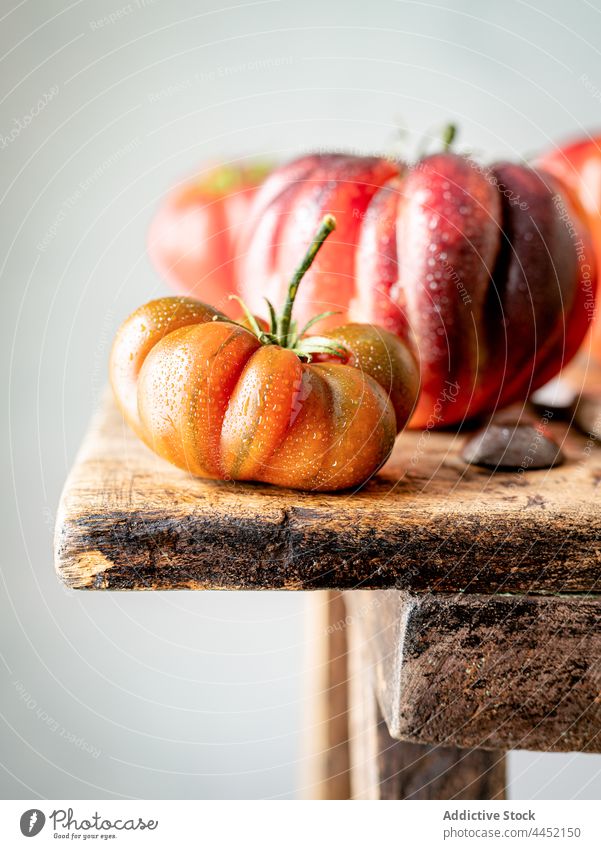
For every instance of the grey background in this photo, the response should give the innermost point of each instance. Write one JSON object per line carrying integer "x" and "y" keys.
{"x": 201, "y": 694}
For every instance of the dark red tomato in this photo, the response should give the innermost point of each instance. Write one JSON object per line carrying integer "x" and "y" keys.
{"x": 490, "y": 268}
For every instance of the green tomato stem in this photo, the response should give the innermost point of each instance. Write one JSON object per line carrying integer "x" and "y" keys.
{"x": 327, "y": 226}
{"x": 448, "y": 137}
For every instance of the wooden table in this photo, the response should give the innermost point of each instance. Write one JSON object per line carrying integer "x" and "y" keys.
{"x": 461, "y": 618}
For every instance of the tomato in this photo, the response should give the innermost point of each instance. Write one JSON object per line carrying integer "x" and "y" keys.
{"x": 192, "y": 237}
{"x": 228, "y": 401}
{"x": 578, "y": 167}
{"x": 490, "y": 268}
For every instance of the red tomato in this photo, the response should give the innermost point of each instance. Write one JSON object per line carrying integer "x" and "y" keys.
{"x": 578, "y": 167}
{"x": 192, "y": 237}
{"x": 490, "y": 267}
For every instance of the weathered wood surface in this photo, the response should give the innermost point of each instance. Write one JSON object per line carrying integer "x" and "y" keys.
{"x": 496, "y": 672}
{"x": 128, "y": 520}
{"x": 385, "y": 768}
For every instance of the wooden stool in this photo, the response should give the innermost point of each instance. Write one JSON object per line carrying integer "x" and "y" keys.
{"x": 461, "y": 617}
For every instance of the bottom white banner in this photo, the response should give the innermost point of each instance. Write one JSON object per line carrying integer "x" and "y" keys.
{"x": 300, "y": 824}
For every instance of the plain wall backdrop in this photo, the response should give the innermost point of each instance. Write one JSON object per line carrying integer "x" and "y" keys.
{"x": 200, "y": 695}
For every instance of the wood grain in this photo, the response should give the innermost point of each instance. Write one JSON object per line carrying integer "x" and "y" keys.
{"x": 495, "y": 672}
{"x": 128, "y": 520}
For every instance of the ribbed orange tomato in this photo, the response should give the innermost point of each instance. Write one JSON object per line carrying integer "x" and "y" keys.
{"x": 228, "y": 401}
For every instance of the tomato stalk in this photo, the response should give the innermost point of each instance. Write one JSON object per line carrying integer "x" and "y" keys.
{"x": 328, "y": 225}
{"x": 448, "y": 137}
{"x": 282, "y": 329}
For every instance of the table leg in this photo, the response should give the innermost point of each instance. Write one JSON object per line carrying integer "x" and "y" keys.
{"x": 385, "y": 768}
{"x": 326, "y": 730}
